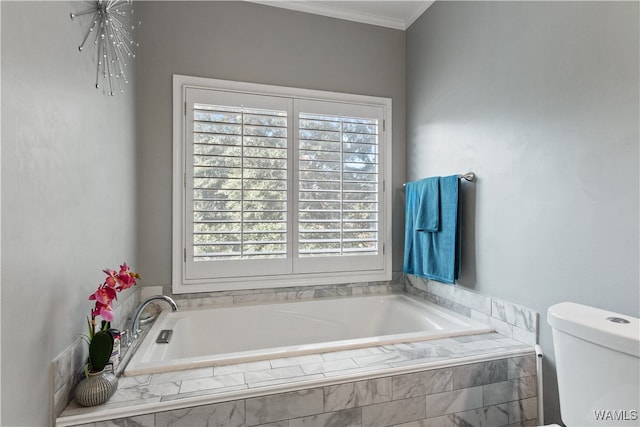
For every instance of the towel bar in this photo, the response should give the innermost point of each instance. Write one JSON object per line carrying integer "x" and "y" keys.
{"x": 469, "y": 176}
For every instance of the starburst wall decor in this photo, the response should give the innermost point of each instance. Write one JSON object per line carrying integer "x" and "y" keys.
{"x": 111, "y": 31}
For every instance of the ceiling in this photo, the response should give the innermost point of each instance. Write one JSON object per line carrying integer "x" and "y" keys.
{"x": 393, "y": 14}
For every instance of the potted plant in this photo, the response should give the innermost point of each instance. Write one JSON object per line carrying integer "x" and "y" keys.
{"x": 100, "y": 350}
{"x": 99, "y": 383}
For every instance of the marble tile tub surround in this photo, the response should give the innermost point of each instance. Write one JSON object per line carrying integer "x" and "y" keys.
{"x": 511, "y": 320}
{"x": 294, "y": 293}
{"x": 464, "y": 362}
{"x": 68, "y": 367}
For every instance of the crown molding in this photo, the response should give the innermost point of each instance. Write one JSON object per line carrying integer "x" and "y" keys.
{"x": 337, "y": 12}
{"x": 418, "y": 13}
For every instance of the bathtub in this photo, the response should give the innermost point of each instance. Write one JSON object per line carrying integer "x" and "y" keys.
{"x": 203, "y": 337}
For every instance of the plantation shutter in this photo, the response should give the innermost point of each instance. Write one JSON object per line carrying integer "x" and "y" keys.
{"x": 278, "y": 187}
{"x": 238, "y": 180}
{"x": 339, "y": 186}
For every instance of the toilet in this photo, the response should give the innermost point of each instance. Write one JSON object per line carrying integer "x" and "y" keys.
{"x": 597, "y": 356}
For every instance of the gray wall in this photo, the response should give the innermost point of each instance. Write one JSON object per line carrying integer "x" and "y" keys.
{"x": 68, "y": 196}
{"x": 541, "y": 101}
{"x": 253, "y": 43}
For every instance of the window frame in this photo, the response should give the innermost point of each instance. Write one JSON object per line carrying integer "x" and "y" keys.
{"x": 180, "y": 283}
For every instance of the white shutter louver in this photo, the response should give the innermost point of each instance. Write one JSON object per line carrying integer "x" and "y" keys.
{"x": 338, "y": 185}
{"x": 239, "y": 183}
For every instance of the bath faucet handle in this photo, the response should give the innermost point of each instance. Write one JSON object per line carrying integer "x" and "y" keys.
{"x": 125, "y": 338}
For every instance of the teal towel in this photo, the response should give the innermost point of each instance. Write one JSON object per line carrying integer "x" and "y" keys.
{"x": 433, "y": 254}
{"x": 427, "y": 193}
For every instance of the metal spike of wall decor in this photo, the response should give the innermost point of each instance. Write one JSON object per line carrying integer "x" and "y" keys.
{"x": 111, "y": 31}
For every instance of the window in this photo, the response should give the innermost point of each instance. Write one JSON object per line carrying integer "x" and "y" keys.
{"x": 278, "y": 187}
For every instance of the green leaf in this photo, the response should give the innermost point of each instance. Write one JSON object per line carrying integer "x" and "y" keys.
{"x": 100, "y": 350}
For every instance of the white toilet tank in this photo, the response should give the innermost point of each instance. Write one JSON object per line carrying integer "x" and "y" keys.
{"x": 598, "y": 365}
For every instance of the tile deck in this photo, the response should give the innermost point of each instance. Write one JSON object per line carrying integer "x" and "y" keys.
{"x": 144, "y": 394}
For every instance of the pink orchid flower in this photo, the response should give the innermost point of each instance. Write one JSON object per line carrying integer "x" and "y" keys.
{"x": 112, "y": 278}
{"x": 126, "y": 278}
{"x": 115, "y": 282}
{"x": 104, "y": 295}
{"x": 103, "y": 310}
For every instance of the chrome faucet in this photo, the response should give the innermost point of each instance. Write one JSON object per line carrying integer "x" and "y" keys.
{"x": 135, "y": 322}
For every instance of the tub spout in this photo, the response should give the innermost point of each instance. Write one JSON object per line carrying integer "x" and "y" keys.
{"x": 135, "y": 322}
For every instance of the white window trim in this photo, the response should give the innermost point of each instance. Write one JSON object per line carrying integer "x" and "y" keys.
{"x": 180, "y": 285}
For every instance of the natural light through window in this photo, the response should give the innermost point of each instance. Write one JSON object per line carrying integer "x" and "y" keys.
{"x": 239, "y": 183}
{"x": 278, "y": 187}
{"x": 338, "y": 185}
